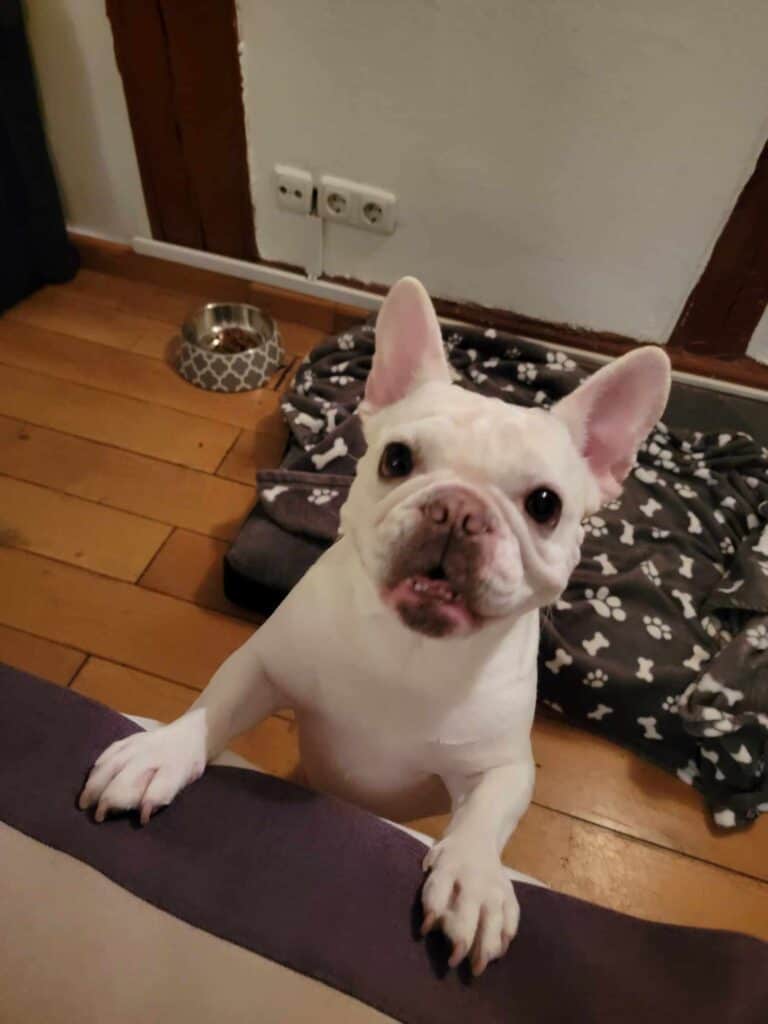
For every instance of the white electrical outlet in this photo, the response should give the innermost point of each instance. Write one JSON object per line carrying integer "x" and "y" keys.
{"x": 355, "y": 204}
{"x": 293, "y": 189}
{"x": 337, "y": 200}
{"x": 377, "y": 210}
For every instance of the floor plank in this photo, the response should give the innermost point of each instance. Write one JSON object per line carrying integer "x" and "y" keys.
{"x": 272, "y": 745}
{"x": 189, "y": 566}
{"x": 116, "y": 620}
{"x": 125, "y": 373}
{"x": 176, "y": 495}
{"x": 150, "y": 300}
{"x": 54, "y": 662}
{"x": 591, "y": 778}
{"x": 602, "y": 866}
{"x": 254, "y": 450}
{"x": 126, "y": 423}
{"x": 82, "y": 533}
{"x": 139, "y": 327}
{"x": 67, "y": 312}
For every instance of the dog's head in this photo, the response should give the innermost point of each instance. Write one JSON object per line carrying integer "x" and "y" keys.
{"x": 465, "y": 509}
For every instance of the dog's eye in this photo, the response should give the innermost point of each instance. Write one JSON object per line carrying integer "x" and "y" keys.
{"x": 396, "y": 461}
{"x": 543, "y": 506}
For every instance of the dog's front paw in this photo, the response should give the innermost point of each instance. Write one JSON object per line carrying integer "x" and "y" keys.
{"x": 468, "y": 894}
{"x": 146, "y": 770}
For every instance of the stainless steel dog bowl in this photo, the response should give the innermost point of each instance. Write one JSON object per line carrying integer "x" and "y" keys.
{"x": 229, "y": 346}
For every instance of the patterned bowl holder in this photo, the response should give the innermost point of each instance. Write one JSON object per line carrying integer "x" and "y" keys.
{"x": 229, "y": 347}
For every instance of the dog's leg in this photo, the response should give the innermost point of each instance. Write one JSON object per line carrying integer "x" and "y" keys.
{"x": 148, "y": 769}
{"x": 467, "y": 891}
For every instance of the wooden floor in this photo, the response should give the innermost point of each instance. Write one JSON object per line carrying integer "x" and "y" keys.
{"x": 120, "y": 487}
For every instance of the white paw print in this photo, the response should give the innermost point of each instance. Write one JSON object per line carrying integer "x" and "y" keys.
{"x": 658, "y": 534}
{"x": 606, "y": 604}
{"x": 477, "y": 375}
{"x": 613, "y": 506}
{"x": 595, "y": 526}
{"x": 651, "y": 572}
{"x": 341, "y": 379}
{"x": 527, "y": 371}
{"x": 346, "y": 342}
{"x": 670, "y": 704}
{"x": 657, "y": 628}
{"x": 758, "y": 637}
{"x": 726, "y": 546}
{"x": 321, "y": 496}
{"x": 560, "y": 361}
{"x": 596, "y": 679}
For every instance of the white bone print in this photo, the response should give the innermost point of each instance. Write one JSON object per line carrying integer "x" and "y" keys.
{"x": 273, "y": 492}
{"x": 644, "y": 666}
{"x": 600, "y": 712}
{"x": 607, "y": 566}
{"x": 561, "y": 660}
{"x": 686, "y": 600}
{"x": 650, "y": 507}
{"x": 650, "y": 732}
{"x": 597, "y": 643}
{"x": 686, "y": 567}
{"x": 694, "y": 523}
{"x": 708, "y": 684}
{"x": 697, "y": 658}
{"x": 628, "y": 533}
{"x": 337, "y": 449}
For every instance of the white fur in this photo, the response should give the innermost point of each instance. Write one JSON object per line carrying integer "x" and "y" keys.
{"x": 400, "y": 722}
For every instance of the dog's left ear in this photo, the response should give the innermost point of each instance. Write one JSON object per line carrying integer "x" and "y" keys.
{"x": 613, "y": 411}
{"x": 409, "y": 347}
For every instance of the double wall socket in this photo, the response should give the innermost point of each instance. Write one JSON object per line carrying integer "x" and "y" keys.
{"x": 335, "y": 199}
{"x": 360, "y": 206}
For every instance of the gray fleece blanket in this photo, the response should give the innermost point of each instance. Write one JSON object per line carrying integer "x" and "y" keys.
{"x": 660, "y": 641}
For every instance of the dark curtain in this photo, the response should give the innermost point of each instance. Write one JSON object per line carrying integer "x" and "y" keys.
{"x": 34, "y": 249}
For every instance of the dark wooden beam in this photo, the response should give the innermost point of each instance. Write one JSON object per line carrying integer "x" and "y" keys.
{"x": 181, "y": 75}
{"x": 724, "y": 308}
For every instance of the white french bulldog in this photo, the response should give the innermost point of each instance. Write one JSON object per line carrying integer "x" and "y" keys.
{"x": 408, "y": 652}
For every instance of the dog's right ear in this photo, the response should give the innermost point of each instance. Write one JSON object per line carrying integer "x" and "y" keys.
{"x": 409, "y": 347}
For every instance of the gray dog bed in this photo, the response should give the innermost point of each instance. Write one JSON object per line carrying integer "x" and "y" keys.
{"x": 661, "y": 640}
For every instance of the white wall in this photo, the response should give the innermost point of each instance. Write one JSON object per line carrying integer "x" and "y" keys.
{"x": 573, "y": 160}
{"x": 758, "y": 346}
{"x": 85, "y": 117}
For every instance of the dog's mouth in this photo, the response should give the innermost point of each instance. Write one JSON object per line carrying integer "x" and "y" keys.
{"x": 432, "y": 604}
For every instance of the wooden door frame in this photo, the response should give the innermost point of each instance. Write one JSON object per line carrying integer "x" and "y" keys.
{"x": 181, "y": 76}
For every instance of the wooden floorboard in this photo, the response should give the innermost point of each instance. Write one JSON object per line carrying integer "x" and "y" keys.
{"x": 189, "y": 566}
{"x": 116, "y": 620}
{"x": 82, "y": 533}
{"x": 122, "y": 485}
{"x": 171, "y": 494}
{"x": 122, "y": 372}
{"x": 125, "y": 423}
{"x": 39, "y": 657}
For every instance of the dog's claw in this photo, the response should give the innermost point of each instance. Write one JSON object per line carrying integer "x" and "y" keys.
{"x": 429, "y": 924}
{"x": 458, "y": 954}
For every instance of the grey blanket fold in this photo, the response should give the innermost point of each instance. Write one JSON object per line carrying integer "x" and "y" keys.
{"x": 661, "y": 639}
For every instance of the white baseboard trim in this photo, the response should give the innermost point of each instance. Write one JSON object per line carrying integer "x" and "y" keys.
{"x": 256, "y": 272}
{"x": 367, "y": 300}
